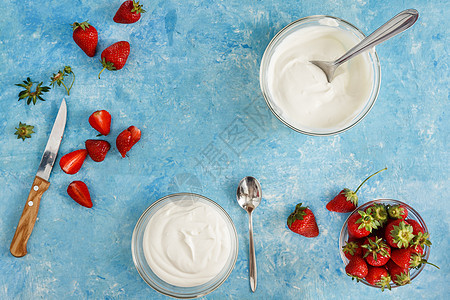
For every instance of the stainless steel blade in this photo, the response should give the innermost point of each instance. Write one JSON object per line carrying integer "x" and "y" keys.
{"x": 51, "y": 150}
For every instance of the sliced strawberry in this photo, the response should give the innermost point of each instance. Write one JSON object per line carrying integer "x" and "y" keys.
{"x": 357, "y": 268}
{"x": 97, "y": 149}
{"x": 79, "y": 192}
{"x": 127, "y": 139}
{"x": 101, "y": 121}
{"x": 378, "y": 276}
{"x": 71, "y": 162}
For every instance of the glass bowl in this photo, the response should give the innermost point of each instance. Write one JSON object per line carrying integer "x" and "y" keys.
{"x": 292, "y": 28}
{"x": 160, "y": 285}
{"x": 412, "y": 214}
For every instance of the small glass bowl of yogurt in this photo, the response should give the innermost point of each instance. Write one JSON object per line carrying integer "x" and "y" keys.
{"x": 184, "y": 245}
{"x": 298, "y": 93}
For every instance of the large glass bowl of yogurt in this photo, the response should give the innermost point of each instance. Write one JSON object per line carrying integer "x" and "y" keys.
{"x": 184, "y": 245}
{"x": 298, "y": 93}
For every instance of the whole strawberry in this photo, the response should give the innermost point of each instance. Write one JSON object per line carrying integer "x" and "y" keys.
{"x": 352, "y": 248}
{"x": 115, "y": 56}
{"x": 127, "y": 139}
{"x": 378, "y": 276}
{"x": 303, "y": 222}
{"x": 357, "y": 268}
{"x": 399, "y": 233}
{"x": 406, "y": 258}
{"x": 379, "y": 212}
{"x": 347, "y": 200}
{"x": 397, "y": 211}
{"x": 361, "y": 223}
{"x": 400, "y": 276}
{"x": 376, "y": 252}
{"x": 129, "y": 12}
{"x": 97, "y": 149}
{"x": 86, "y": 37}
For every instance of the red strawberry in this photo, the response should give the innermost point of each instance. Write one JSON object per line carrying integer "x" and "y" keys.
{"x": 416, "y": 249}
{"x": 361, "y": 223}
{"x": 416, "y": 226}
{"x": 376, "y": 252}
{"x": 115, "y": 56}
{"x": 405, "y": 258}
{"x": 86, "y": 37}
{"x": 72, "y": 162}
{"x": 357, "y": 268}
{"x": 378, "y": 276}
{"x": 378, "y": 212}
{"x": 397, "y": 211}
{"x": 97, "y": 149}
{"x": 100, "y": 120}
{"x": 303, "y": 222}
{"x": 79, "y": 192}
{"x": 400, "y": 276}
{"x": 352, "y": 248}
{"x": 129, "y": 12}
{"x": 399, "y": 233}
{"x": 127, "y": 138}
{"x": 347, "y": 200}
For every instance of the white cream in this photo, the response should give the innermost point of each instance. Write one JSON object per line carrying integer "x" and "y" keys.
{"x": 187, "y": 243}
{"x": 299, "y": 89}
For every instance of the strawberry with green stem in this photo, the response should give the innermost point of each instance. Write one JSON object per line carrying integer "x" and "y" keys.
{"x": 399, "y": 234}
{"x": 361, "y": 223}
{"x": 400, "y": 276}
{"x": 86, "y": 37}
{"x": 352, "y": 248}
{"x": 347, "y": 200}
{"x": 58, "y": 78}
{"x": 129, "y": 12}
{"x": 115, "y": 56}
{"x": 357, "y": 268}
{"x": 397, "y": 211}
{"x": 378, "y": 276}
{"x": 303, "y": 222}
{"x": 24, "y": 131}
{"x": 405, "y": 258}
{"x": 376, "y": 252}
{"x": 32, "y": 96}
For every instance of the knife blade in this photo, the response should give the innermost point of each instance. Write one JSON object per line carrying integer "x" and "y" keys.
{"x": 27, "y": 220}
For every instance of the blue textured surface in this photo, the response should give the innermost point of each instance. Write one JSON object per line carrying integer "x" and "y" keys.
{"x": 191, "y": 85}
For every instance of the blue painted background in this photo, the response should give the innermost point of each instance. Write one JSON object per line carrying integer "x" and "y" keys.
{"x": 191, "y": 84}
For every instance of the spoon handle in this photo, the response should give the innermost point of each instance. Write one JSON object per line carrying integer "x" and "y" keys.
{"x": 394, "y": 26}
{"x": 252, "y": 261}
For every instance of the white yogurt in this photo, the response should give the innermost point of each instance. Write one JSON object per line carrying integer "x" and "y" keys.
{"x": 187, "y": 243}
{"x": 300, "y": 90}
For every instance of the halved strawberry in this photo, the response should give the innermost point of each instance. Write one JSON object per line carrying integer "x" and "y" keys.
{"x": 97, "y": 149}
{"x": 79, "y": 192}
{"x": 376, "y": 252}
{"x": 127, "y": 139}
{"x": 378, "y": 276}
{"x": 100, "y": 120}
{"x": 71, "y": 162}
{"x": 399, "y": 234}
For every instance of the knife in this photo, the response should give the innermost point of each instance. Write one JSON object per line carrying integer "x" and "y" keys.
{"x": 18, "y": 246}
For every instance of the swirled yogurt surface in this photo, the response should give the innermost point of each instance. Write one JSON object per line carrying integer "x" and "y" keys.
{"x": 187, "y": 243}
{"x": 300, "y": 90}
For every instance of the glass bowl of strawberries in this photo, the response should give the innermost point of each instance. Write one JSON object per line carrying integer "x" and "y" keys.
{"x": 384, "y": 243}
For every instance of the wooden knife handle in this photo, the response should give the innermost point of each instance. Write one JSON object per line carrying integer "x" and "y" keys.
{"x": 18, "y": 246}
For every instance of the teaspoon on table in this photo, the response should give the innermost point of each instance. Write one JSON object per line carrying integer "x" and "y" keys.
{"x": 394, "y": 26}
{"x": 249, "y": 197}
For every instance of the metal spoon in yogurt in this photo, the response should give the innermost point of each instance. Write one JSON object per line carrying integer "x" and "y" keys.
{"x": 394, "y": 26}
{"x": 249, "y": 197}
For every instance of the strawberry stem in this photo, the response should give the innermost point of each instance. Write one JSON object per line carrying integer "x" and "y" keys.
{"x": 101, "y": 72}
{"x": 424, "y": 261}
{"x": 369, "y": 178}
{"x": 71, "y": 83}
